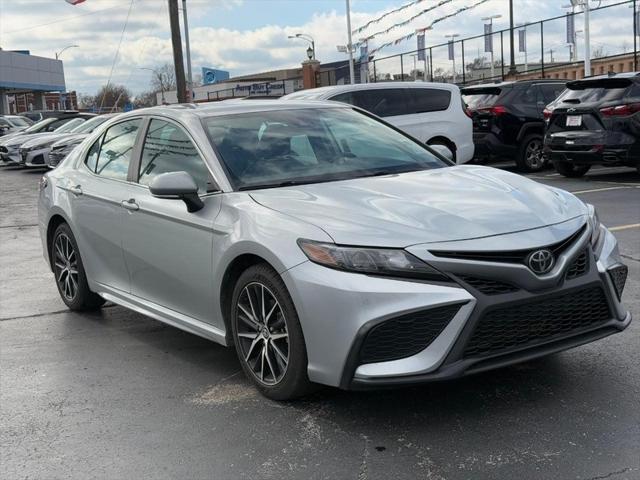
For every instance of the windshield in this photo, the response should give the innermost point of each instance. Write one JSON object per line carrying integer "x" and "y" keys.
{"x": 36, "y": 127}
{"x": 286, "y": 147}
{"x": 90, "y": 125}
{"x": 18, "y": 121}
{"x": 70, "y": 125}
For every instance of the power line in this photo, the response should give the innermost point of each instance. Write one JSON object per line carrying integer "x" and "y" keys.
{"x": 115, "y": 58}
{"x": 62, "y": 20}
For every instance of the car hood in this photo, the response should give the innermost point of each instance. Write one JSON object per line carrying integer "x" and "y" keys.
{"x": 447, "y": 204}
{"x": 70, "y": 138}
{"x": 43, "y": 139}
{"x": 22, "y": 138}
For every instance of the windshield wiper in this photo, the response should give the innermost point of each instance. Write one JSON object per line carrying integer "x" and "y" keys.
{"x": 286, "y": 183}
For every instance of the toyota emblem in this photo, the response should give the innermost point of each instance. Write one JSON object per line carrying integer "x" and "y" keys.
{"x": 541, "y": 261}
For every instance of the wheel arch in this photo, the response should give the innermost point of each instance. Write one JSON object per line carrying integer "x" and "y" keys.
{"x": 55, "y": 220}
{"x": 231, "y": 274}
{"x": 530, "y": 128}
{"x": 445, "y": 140}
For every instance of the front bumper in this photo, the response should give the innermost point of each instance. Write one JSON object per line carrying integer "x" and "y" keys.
{"x": 34, "y": 158}
{"x": 10, "y": 155}
{"x": 337, "y": 311}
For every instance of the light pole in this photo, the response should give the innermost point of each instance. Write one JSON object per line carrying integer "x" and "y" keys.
{"x": 187, "y": 48}
{"x": 415, "y": 67}
{"x": 159, "y": 76}
{"x": 490, "y": 19}
{"x": 452, "y": 52}
{"x": 350, "y": 44}
{"x": 309, "y": 39}
{"x": 65, "y": 48}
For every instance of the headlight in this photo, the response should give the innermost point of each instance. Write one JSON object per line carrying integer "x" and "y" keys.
{"x": 596, "y": 226}
{"x": 376, "y": 261}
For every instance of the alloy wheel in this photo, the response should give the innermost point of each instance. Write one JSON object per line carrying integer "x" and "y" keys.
{"x": 66, "y": 266}
{"x": 263, "y": 339}
{"x": 533, "y": 154}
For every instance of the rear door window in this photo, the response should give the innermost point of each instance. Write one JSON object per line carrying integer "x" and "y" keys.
{"x": 384, "y": 102}
{"x": 429, "y": 99}
{"x": 480, "y": 98}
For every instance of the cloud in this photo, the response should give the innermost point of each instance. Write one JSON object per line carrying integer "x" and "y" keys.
{"x": 97, "y": 27}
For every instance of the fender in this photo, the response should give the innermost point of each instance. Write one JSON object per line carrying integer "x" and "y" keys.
{"x": 530, "y": 127}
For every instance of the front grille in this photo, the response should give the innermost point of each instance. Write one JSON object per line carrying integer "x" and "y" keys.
{"x": 406, "y": 335}
{"x": 579, "y": 266}
{"x": 509, "y": 256}
{"x": 618, "y": 276}
{"x": 516, "y": 326}
{"x": 488, "y": 287}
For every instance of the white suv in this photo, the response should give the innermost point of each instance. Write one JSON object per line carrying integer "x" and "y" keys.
{"x": 434, "y": 113}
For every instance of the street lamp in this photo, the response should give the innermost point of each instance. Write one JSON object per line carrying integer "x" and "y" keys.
{"x": 159, "y": 75}
{"x": 453, "y": 53}
{"x": 65, "y": 48}
{"x": 490, "y": 19}
{"x": 309, "y": 39}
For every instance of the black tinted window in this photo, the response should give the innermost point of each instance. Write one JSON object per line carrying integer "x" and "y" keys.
{"x": 167, "y": 148}
{"x": 527, "y": 95}
{"x": 344, "y": 98}
{"x": 550, "y": 91}
{"x": 429, "y": 100}
{"x": 116, "y": 149}
{"x": 384, "y": 102}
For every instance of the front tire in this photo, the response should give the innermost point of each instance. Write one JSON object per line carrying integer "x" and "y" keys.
{"x": 529, "y": 158}
{"x": 69, "y": 273}
{"x": 570, "y": 170}
{"x": 267, "y": 335}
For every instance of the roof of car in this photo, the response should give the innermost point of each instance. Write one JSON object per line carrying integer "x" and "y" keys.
{"x": 322, "y": 91}
{"x": 512, "y": 83}
{"x": 228, "y": 108}
{"x": 613, "y": 75}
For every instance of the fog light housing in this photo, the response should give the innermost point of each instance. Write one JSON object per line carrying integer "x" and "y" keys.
{"x": 618, "y": 276}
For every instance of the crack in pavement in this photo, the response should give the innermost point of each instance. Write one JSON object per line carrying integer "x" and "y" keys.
{"x": 20, "y": 226}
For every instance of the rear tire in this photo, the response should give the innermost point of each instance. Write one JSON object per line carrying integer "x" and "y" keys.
{"x": 570, "y": 170}
{"x": 69, "y": 273}
{"x": 529, "y": 157}
{"x": 268, "y": 336}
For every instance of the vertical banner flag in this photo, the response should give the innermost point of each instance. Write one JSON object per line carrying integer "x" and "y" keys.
{"x": 522, "y": 40}
{"x": 451, "y": 53}
{"x": 571, "y": 28}
{"x": 421, "y": 51}
{"x": 364, "y": 63}
{"x": 488, "y": 38}
{"x": 638, "y": 22}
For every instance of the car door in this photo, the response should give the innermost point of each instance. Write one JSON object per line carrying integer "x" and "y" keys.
{"x": 168, "y": 250}
{"x": 96, "y": 189}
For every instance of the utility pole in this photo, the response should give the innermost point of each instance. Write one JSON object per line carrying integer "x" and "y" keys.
{"x": 512, "y": 63}
{"x": 587, "y": 45}
{"x": 188, "y": 49}
{"x": 350, "y": 44}
{"x": 176, "y": 43}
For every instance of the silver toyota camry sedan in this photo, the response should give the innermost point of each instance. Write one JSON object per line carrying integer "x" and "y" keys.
{"x": 327, "y": 246}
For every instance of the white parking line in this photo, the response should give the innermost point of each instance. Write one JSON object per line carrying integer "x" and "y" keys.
{"x": 604, "y": 189}
{"x": 624, "y": 227}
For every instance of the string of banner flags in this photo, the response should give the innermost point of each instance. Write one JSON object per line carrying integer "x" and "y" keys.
{"x": 364, "y": 51}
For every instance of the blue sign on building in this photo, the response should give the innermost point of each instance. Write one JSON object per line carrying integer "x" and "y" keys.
{"x": 213, "y": 75}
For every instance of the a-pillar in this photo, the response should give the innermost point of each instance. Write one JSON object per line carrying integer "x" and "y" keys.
{"x": 309, "y": 70}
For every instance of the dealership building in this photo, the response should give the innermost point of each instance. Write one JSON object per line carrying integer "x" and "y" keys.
{"x": 29, "y": 82}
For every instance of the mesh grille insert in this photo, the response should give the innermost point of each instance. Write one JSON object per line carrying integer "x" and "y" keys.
{"x": 488, "y": 287}
{"x": 579, "y": 266}
{"x": 406, "y": 335}
{"x": 516, "y": 326}
{"x": 619, "y": 277}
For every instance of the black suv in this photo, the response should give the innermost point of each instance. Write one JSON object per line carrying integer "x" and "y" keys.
{"x": 596, "y": 121}
{"x": 508, "y": 119}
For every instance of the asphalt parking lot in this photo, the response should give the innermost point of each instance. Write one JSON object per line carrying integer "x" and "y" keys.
{"x": 116, "y": 395}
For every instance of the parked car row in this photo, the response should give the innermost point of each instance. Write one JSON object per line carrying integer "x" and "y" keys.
{"x": 58, "y": 131}
{"x": 13, "y": 123}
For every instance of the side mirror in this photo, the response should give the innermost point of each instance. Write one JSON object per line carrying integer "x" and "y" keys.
{"x": 179, "y": 186}
{"x": 443, "y": 151}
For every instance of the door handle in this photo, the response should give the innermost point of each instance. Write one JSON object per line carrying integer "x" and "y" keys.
{"x": 130, "y": 204}
{"x": 77, "y": 190}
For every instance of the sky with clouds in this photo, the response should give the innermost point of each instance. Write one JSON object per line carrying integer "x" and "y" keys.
{"x": 250, "y": 36}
